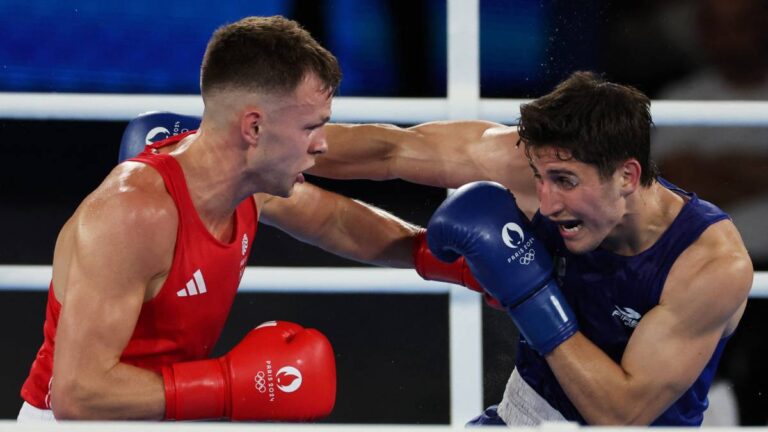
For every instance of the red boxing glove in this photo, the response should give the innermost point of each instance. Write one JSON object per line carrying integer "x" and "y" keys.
{"x": 457, "y": 272}
{"x": 279, "y": 371}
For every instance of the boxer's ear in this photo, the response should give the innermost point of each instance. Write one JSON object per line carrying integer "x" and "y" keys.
{"x": 250, "y": 126}
{"x": 629, "y": 172}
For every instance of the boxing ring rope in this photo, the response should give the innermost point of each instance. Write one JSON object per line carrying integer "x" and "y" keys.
{"x": 12, "y": 426}
{"x": 116, "y": 107}
{"x": 306, "y": 280}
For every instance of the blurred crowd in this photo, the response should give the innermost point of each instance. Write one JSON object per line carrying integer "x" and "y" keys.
{"x": 710, "y": 50}
{"x": 721, "y": 48}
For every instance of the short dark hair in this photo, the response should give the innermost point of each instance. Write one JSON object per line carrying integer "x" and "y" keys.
{"x": 267, "y": 54}
{"x": 595, "y": 121}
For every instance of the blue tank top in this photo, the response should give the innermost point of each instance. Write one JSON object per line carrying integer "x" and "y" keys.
{"x": 610, "y": 293}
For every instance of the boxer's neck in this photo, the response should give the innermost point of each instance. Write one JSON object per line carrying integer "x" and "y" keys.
{"x": 650, "y": 211}
{"x": 213, "y": 171}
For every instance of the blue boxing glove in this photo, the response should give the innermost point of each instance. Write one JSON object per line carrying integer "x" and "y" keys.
{"x": 481, "y": 221}
{"x": 153, "y": 126}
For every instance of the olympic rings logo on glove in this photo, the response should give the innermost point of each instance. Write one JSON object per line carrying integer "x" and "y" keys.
{"x": 528, "y": 257}
{"x": 260, "y": 382}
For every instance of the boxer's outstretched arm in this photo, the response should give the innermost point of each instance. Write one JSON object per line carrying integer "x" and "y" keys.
{"x": 703, "y": 300}
{"x": 442, "y": 154}
{"x": 340, "y": 225}
{"x": 116, "y": 245}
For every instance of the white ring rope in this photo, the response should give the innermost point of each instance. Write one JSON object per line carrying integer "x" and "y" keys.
{"x": 326, "y": 280}
{"x": 80, "y": 106}
{"x": 308, "y": 280}
{"x": 115, "y": 426}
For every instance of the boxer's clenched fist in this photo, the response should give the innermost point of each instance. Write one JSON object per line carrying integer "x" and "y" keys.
{"x": 279, "y": 371}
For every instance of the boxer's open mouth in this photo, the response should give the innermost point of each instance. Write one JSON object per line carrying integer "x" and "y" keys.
{"x": 570, "y": 226}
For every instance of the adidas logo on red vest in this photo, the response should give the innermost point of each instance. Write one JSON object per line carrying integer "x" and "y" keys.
{"x": 195, "y": 286}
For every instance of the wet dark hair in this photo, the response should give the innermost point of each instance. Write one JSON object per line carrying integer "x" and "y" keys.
{"x": 266, "y": 54}
{"x": 593, "y": 121}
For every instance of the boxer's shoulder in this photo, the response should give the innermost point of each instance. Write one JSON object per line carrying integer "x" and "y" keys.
{"x": 719, "y": 249}
{"x": 131, "y": 199}
{"x": 712, "y": 278}
{"x": 135, "y": 185}
{"x": 124, "y": 226}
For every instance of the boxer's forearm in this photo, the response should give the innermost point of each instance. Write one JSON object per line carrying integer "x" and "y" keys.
{"x": 124, "y": 392}
{"x": 368, "y": 234}
{"x": 442, "y": 154}
{"x": 342, "y": 226}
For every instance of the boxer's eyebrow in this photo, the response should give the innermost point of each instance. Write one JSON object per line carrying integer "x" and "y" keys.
{"x": 322, "y": 122}
{"x": 560, "y": 171}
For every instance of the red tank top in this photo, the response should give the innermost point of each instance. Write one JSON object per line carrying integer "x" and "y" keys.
{"x": 184, "y": 321}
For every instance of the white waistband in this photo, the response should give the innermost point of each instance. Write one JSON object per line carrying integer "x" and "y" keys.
{"x": 522, "y": 406}
{"x": 31, "y": 414}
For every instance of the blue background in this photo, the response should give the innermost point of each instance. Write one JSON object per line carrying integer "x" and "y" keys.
{"x": 385, "y": 48}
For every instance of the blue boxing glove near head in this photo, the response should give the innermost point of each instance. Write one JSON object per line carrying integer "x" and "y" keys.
{"x": 481, "y": 221}
{"x": 153, "y": 126}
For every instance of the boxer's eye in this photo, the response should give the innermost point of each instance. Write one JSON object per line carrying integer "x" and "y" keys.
{"x": 566, "y": 182}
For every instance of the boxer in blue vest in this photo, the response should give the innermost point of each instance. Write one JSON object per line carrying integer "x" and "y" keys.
{"x": 625, "y": 288}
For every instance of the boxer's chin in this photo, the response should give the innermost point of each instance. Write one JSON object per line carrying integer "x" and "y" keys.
{"x": 581, "y": 244}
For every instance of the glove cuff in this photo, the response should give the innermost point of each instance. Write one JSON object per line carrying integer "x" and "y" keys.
{"x": 429, "y": 267}
{"x": 195, "y": 390}
{"x": 545, "y": 319}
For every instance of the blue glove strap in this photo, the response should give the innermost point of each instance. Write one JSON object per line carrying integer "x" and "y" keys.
{"x": 545, "y": 319}
{"x": 153, "y": 126}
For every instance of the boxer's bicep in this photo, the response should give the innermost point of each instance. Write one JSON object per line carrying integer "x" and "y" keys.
{"x": 118, "y": 246}
{"x": 675, "y": 340}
